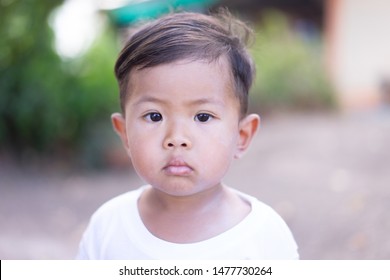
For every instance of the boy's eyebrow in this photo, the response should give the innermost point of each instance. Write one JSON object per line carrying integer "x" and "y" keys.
{"x": 200, "y": 101}
{"x": 151, "y": 99}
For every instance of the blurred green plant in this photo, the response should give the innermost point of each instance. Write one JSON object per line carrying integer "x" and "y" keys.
{"x": 290, "y": 72}
{"x": 98, "y": 98}
{"x": 27, "y": 84}
{"x": 46, "y": 103}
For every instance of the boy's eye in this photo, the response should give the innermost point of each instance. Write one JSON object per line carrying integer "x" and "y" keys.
{"x": 154, "y": 117}
{"x": 203, "y": 117}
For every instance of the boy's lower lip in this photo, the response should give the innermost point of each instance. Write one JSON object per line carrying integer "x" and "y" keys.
{"x": 177, "y": 170}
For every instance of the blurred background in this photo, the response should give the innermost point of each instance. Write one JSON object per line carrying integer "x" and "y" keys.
{"x": 321, "y": 158}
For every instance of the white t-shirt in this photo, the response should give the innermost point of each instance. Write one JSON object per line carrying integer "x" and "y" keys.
{"x": 116, "y": 231}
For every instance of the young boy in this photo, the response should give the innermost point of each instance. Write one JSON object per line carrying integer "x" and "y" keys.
{"x": 184, "y": 82}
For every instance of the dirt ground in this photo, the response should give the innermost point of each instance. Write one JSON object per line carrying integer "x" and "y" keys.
{"x": 327, "y": 175}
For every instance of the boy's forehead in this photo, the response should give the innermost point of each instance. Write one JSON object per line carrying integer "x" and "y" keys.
{"x": 144, "y": 83}
{"x": 191, "y": 70}
{"x": 221, "y": 62}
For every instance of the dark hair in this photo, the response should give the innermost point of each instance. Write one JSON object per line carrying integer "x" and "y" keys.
{"x": 189, "y": 36}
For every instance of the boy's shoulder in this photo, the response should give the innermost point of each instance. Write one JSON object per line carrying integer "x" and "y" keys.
{"x": 117, "y": 207}
{"x": 122, "y": 200}
{"x": 264, "y": 218}
{"x": 267, "y": 225}
{"x": 259, "y": 209}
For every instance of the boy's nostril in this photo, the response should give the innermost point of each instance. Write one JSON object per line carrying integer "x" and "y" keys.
{"x": 177, "y": 144}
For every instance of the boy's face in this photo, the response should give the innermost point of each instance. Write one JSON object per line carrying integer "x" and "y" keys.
{"x": 182, "y": 126}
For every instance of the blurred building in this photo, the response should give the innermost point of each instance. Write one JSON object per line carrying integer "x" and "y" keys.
{"x": 356, "y": 39}
{"x": 358, "y": 51}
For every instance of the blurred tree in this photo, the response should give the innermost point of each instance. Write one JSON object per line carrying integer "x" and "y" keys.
{"x": 97, "y": 97}
{"x": 290, "y": 71}
{"x": 27, "y": 64}
{"x": 46, "y": 103}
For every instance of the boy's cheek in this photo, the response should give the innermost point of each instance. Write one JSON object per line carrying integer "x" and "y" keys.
{"x": 224, "y": 135}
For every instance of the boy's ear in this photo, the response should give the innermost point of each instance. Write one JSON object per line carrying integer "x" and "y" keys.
{"x": 119, "y": 125}
{"x": 247, "y": 129}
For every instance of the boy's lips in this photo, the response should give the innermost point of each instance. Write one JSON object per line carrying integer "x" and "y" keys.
{"x": 177, "y": 167}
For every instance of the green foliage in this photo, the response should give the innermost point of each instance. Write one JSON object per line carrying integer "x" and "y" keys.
{"x": 26, "y": 61}
{"x": 47, "y": 104}
{"x": 290, "y": 74}
{"x": 97, "y": 99}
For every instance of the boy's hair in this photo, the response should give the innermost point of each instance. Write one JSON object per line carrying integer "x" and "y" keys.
{"x": 190, "y": 36}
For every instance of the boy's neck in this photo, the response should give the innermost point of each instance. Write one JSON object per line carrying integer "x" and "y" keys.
{"x": 191, "y": 218}
{"x": 187, "y": 205}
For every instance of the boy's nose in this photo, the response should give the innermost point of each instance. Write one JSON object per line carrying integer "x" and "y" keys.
{"x": 176, "y": 138}
{"x": 177, "y": 142}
